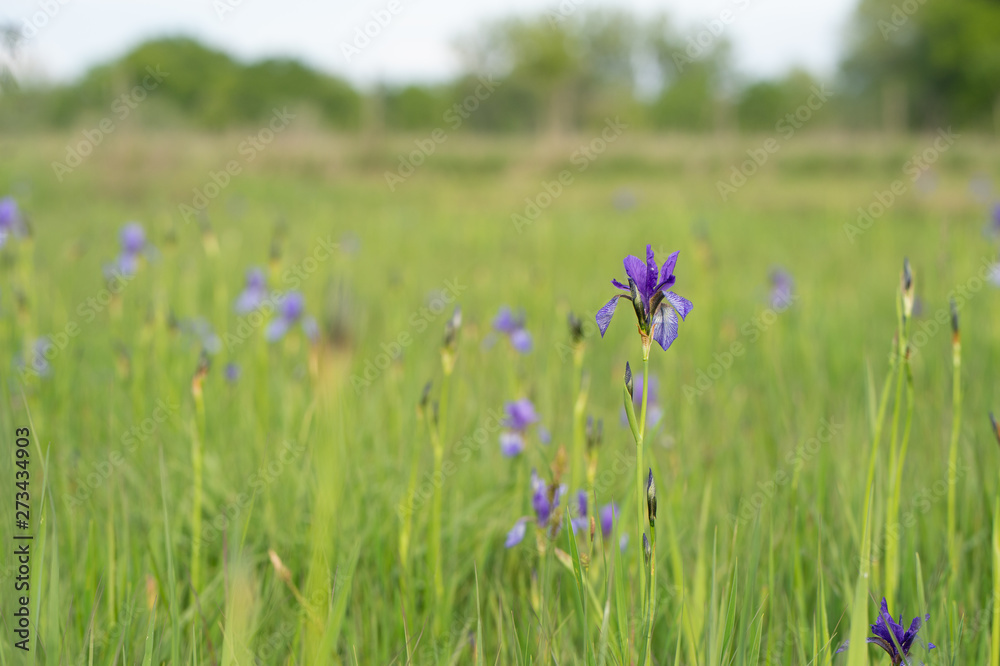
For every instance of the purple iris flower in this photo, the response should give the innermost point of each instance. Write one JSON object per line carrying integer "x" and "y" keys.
{"x": 655, "y": 412}
{"x": 889, "y": 634}
{"x": 232, "y": 372}
{"x": 513, "y": 327}
{"x": 36, "y": 360}
{"x": 656, "y": 306}
{"x": 781, "y": 289}
{"x": 511, "y": 444}
{"x": 133, "y": 241}
{"x": 544, "y": 501}
{"x": 520, "y": 415}
{"x": 291, "y": 311}
{"x": 255, "y": 292}
{"x": 11, "y": 222}
{"x": 607, "y": 516}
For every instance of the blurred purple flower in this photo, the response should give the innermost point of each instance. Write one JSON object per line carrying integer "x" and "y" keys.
{"x": 133, "y": 242}
{"x": 655, "y": 412}
{"x": 513, "y": 327}
{"x": 11, "y": 222}
{"x": 520, "y": 414}
{"x": 544, "y": 501}
{"x": 607, "y": 516}
{"x": 232, "y": 372}
{"x": 649, "y": 289}
{"x": 254, "y": 293}
{"x": 511, "y": 443}
{"x": 291, "y": 311}
{"x": 781, "y": 289}
{"x": 994, "y": 276}
{"x": 544, "y": 435}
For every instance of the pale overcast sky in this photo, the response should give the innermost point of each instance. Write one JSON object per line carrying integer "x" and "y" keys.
{"x": 769, "y": 36}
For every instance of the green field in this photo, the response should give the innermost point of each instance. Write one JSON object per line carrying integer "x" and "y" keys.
{"x": 320, "y": 454}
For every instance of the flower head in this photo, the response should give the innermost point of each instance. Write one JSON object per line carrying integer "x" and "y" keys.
{"x": 11, "y": 222}
{"x": 133, "y": 242}
{"x": 511, "y": 443}
{"x": 513, "y": 327}
{"x": 232, "y": 372}
{"x": 607, "y": 515}
{"x": 545, "y": 500}
{"x": 291, "y": 311}
{"x": 254, "y": 293}
{"x": 520, "y": 414}
{"x": 656, "y": 306}
{"x": 781, "y": 289}
{"x": 891, "y": 637}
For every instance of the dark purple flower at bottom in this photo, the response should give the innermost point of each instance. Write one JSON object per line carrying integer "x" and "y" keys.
{"x": 891, "y": 637}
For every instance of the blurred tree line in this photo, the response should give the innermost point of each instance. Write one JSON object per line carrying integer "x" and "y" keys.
{"x": 908, "y": 65}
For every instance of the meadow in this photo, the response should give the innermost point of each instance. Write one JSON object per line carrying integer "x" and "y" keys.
{"x": 329, "y": 487}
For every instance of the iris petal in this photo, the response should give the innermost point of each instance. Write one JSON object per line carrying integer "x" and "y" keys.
{"x": 681, "y": 304}
{"x": 605, "y": 313}
{"x": 665, "y": 327}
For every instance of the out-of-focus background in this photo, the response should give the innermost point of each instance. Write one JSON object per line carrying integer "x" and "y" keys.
{"x": 233, "y": 234}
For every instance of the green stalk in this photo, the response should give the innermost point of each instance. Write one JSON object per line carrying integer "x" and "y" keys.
{"x": 652, "y": 591}
{"x": 437, "y": 440}
{"x": 892, "y": 511}
{"x": 640, "y": 486}
{"x": 956, "y": 421}
{"x": 995, "y": 635}
{"x": 579, "y": 419}
{"x": 197, "y": 465}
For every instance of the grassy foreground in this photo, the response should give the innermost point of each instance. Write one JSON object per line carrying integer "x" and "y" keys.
{"x": 318, "y": 489}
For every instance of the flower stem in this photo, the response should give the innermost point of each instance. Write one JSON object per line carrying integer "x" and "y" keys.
{"x": 652, "y": 592}
{"x": 640, "y": 486}
{"x": 956, "y": 421}
{"x": 437, "y": 440}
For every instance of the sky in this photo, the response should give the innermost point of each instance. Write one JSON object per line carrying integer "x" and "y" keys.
{"x": 415, "y": 41}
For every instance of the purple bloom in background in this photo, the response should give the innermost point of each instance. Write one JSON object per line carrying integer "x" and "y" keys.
{"x": 232, "y": 372}
{"x": 35, "y": 361}
{"x": 544, "y": 435}
{"x": 513, "y": 327}
{"x": 516, "y": 534}
{"x": 133, "y": 241}
{"x": 11, "y": 222}
{"x": 291, "y": 311}
{"x": 655, "y": 412}
{"x": 656, "y": 306}
{"x": 255, "y": 292}
{"x": 202, "y": 332}
{"x": 511, "y": 443}
{"x": 520, "y": 414}
{"x": 544, "y": 501}
{"x": 607, "y": 516}
{"x": 888, "y": 634}
{"x": 781, "y": 289}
